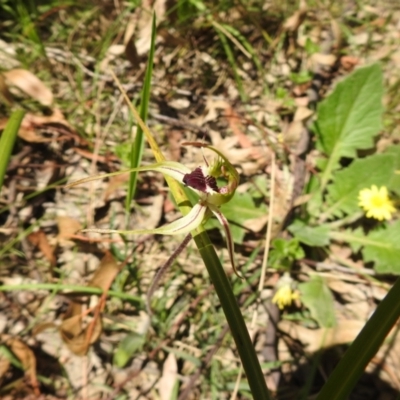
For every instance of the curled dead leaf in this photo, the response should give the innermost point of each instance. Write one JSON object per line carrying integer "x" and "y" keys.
{"x": 67, "y": 228}
{"x": 39, "y": 239}
{"x": 74, "y": 332}
{"x": 31, "y": 126}
{"x": 30, "y": 84}
{"x": 139, "y": 28}
{"x": 5, "y": 94}
{"x": 25, "y": 355}
{"x": 293, "y": 23}
{"x": 77, "y": 330}
{"x": 106, "y": 273}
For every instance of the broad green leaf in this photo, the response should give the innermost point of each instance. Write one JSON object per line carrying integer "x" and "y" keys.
{"x": 317, "y": 297}
{"x": 394, "y": 182}
{"x": 342, "y": 197}
{"x": 240, "y": 209}
{"x": 310, "y": 235}
{"x": 349, "y": 118}
{"x": 382, "y": 246}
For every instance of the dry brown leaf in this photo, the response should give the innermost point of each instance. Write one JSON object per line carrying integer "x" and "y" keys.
{"x": 168, "y": 378}
{"x": 26, "y": 356}
{"x": 139, "y": 28}
{"x": 31, "y": 125}
{"x": 317, "y": 339}
{"x": 237, "y": 127}
{"x": 67, "y": 227}
{"x": 256, "y": 224}
{"x": 106, "y": 273}
{"x": 39, "y": 239}
{"x": 4, "y": 365}
{"x": 77, "y": 334}
{"x": 293, "y": 134}
{"x": 5, "y": 94}
{"x": 114, "y": 183}
{"x": 293, "y": 23}
{"x": 74, "y": 333}
{"x": 30, "y": 84}
{"x": 349, "y": 62}
{"x": 318, "y": 59}
{"x": 302, "y": 114}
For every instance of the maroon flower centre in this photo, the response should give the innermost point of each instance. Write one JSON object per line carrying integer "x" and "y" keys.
{"x": 198, "y": 181}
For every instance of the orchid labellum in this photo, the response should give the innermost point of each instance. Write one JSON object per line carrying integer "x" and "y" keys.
{"x": 203, "y": 181}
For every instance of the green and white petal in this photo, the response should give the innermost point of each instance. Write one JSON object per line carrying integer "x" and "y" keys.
{"x": 182, "y": 225}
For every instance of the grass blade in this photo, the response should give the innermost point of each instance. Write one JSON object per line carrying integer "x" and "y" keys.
{"x": 7, "y": 141}
{"x": 231, "y": 58}
{"x": 138, "y": 144}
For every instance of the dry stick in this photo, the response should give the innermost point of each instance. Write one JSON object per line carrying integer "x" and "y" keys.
{"x": 160, "y": 273}
{"x": 264, "y": 264}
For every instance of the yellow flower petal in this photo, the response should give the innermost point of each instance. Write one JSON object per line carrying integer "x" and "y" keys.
{"x": 376, "y": 203}
{"x": 284, "y": 296}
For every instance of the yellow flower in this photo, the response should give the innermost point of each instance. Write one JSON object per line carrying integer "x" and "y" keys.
{"x": 285, "y": 294}
{"x": 376, "y": 203}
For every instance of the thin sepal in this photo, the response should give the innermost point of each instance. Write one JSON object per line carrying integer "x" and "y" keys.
{"x": 170, "y": 168}
{"x": 228, "y": 236}
{"x": 180, "y": 226}
{"x": 163, "y": 269}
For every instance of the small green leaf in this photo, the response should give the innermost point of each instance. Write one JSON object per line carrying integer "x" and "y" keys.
{"x": 284, "y": 252}
{"x": 317, "y": 297}
{"x": 310, "y": 235}
{"x": 126, "y": 349}
{"x": 350, "y": 117}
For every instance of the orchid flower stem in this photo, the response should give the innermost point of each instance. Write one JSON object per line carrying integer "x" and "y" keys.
{"x": 240, "y": 334}
{"x": 164, "y": 268}
{"x": 239, "y": 331}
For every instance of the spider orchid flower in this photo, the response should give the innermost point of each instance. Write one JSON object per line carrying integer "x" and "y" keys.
{"x": 203, "y": 181}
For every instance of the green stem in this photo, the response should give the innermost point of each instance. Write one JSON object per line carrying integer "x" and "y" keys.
{"x": 73, "y": 290}
{"x": 240, "y": 334}
{"x": 7, "y": 141}
{"x": 352, "y": 365}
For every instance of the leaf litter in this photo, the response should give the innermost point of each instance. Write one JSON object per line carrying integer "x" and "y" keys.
{"x": 200, "y": 97}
